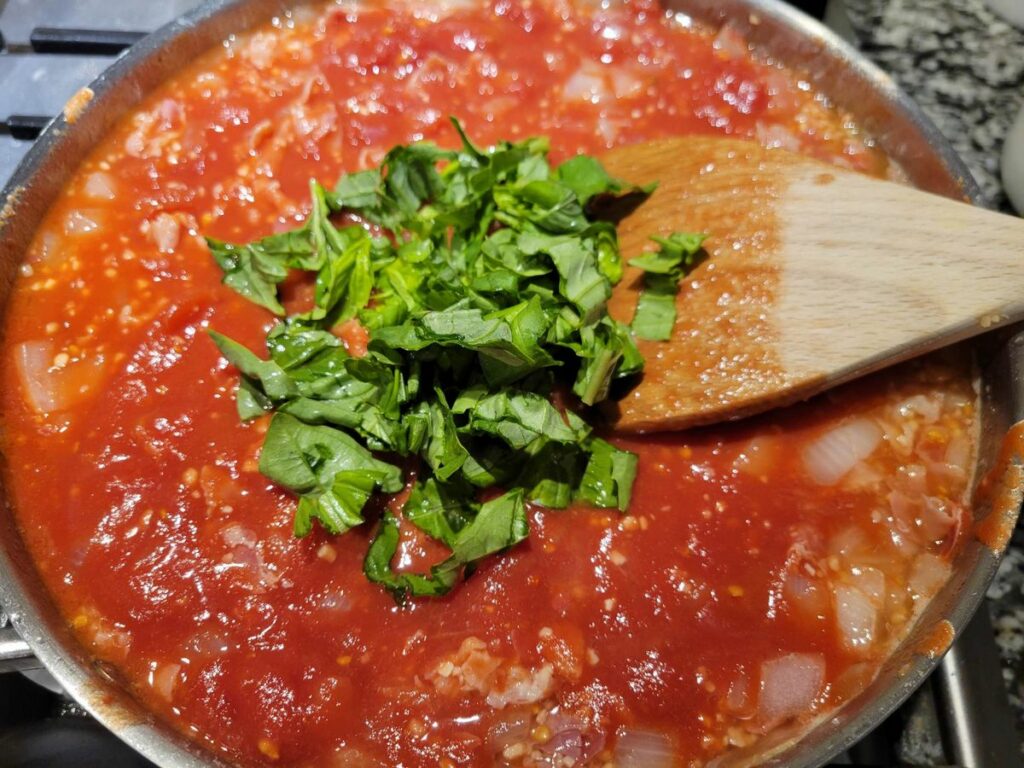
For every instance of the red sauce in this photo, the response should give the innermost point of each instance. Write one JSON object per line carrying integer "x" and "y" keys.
{"x": 136, "y": 486}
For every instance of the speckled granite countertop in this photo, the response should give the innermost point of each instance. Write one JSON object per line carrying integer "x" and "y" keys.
{"x": 964, "y": 66}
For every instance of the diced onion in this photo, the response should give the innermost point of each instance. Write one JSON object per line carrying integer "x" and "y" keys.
{"x": 849, "y": 542}
{"x": 644, "y": 749}
{"x": 789, "y": 686}
{"x": 336, "y": 602}
{"x": 511, "y": 728}
{"x": 958, "y": 452}
{"x": 49, "y": 387}
{"x": 928, "y": 574}
{"x": 626, "y": 83}
{"x": 165, "y": 231}
{"x": 939, "y": 518}
{"x": 731, "y": 43}
{"x": 523, "y": 686}
{"x": 587, "y": 83}
{"x": 111, "y": 642}
{"x": 607, "y": 128}
{"x": 164, "y": 679}
{"x": 81, "y": 222}
{"x": 737, "y": 699}
{"x": 871, "y": 582}
{"x": 835, "y": 453}
{"x": 208, "y": 642}
{"x": 236, "y": 535}
{"x": 33, "y": 360}
{"x": 775, "y": 136}
{"x": 49, "y": 248}
{"x": 856, "y": 616}
{"x": 244, "y": 554}
{"x": 565, "y": 743}
{"x": 929, "y": 408}
{"x": 807, "y": 596}
{"x": 100, "y": 186}
{"x": 926, "y": 518}
{"x": 758, "y": 458}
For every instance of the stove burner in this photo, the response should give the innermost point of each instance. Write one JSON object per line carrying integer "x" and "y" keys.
{"x": 105, "y": 42}
{"x": 77, "y": 742}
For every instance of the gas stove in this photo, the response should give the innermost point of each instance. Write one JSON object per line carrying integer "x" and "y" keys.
{"x": 48, "y": 50}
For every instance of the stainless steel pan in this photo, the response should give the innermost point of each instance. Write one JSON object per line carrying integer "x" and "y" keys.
{"x": 776, "y": 30}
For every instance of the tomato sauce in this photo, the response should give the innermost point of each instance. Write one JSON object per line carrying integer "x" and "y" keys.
{"x": 763, "y": 573}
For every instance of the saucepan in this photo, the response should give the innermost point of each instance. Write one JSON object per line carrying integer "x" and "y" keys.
{"x": 775, "y": 30}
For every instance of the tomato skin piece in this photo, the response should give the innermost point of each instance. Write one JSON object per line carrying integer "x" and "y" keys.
{"x": 354, "y": 336}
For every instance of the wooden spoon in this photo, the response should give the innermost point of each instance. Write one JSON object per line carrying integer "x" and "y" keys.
{"x": 816, "y": 275}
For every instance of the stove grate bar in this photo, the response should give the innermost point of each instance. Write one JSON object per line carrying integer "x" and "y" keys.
{"x": 24, "y": 127}
{"x": 103, "y": 42}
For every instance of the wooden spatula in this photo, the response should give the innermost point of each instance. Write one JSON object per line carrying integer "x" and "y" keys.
{"x": 816, "y": 275}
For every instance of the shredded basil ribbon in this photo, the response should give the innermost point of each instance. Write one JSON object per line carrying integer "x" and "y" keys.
{"x": 489, "y": 287}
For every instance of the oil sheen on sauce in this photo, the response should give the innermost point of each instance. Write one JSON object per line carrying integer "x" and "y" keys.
{"x": 764, "y": 570}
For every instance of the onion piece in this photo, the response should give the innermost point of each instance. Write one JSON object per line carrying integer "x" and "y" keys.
{"x": 928, "y": 573}
{"x": 927, "y": 518}
{"x": 856, "y": 616}
{"x": 643, "y": 749}
{"x": 626, "y": 83}
{"x": 939, "y": 518}
{"x": 523, "y": 686}
{"x": 731, "y": 43}
{"x": 957, "y": 458}
{"x": 775, "y": 136}
{"x": 565, "y": 743}
{"x": 806, "y": 595}
{"x": 48, "y": 248}
{"x": 208, "y": 643}
{"x": 164, "y": 679}
{"x": 835, "y": 453}
{"x": 165, "y": 232}
{"x": 50, "y": 385}
{"x": 33, "y": 359}
{"x": 110, "y": 640}
{"x": 587, "y": 83}
{"x": 81, "y": 222}
{"x": 758, "y": 457}
{"x": 738, "y": 699}
{"x": 930, "y": 408}
{"x": 511, "y": 728}
{"x": 100, "y": 185}
{"x": 789, "y": 686}
{"x": 871, "y": 582}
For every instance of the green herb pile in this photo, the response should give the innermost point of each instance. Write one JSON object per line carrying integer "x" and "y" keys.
{"x": 487, "y": 286}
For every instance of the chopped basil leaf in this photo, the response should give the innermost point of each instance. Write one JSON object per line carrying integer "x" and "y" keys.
{"x": 251, "y": 270}
{"x": 500, "y": 523}
{"x": 608, "y": 479}
{"x": 489, "y": 281}
{"x": 520, "y": 419}
{"x": 333, "y": 473}
{"x": 585, "y": 176}
{"x": 275, "y": 383}
{"x": 607, "y": 351}
{"x": 496, "y": 525}
{"x": 440, "y": 509}
{"x": 656, "y": 309}
{"x": 377, "y": 566}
